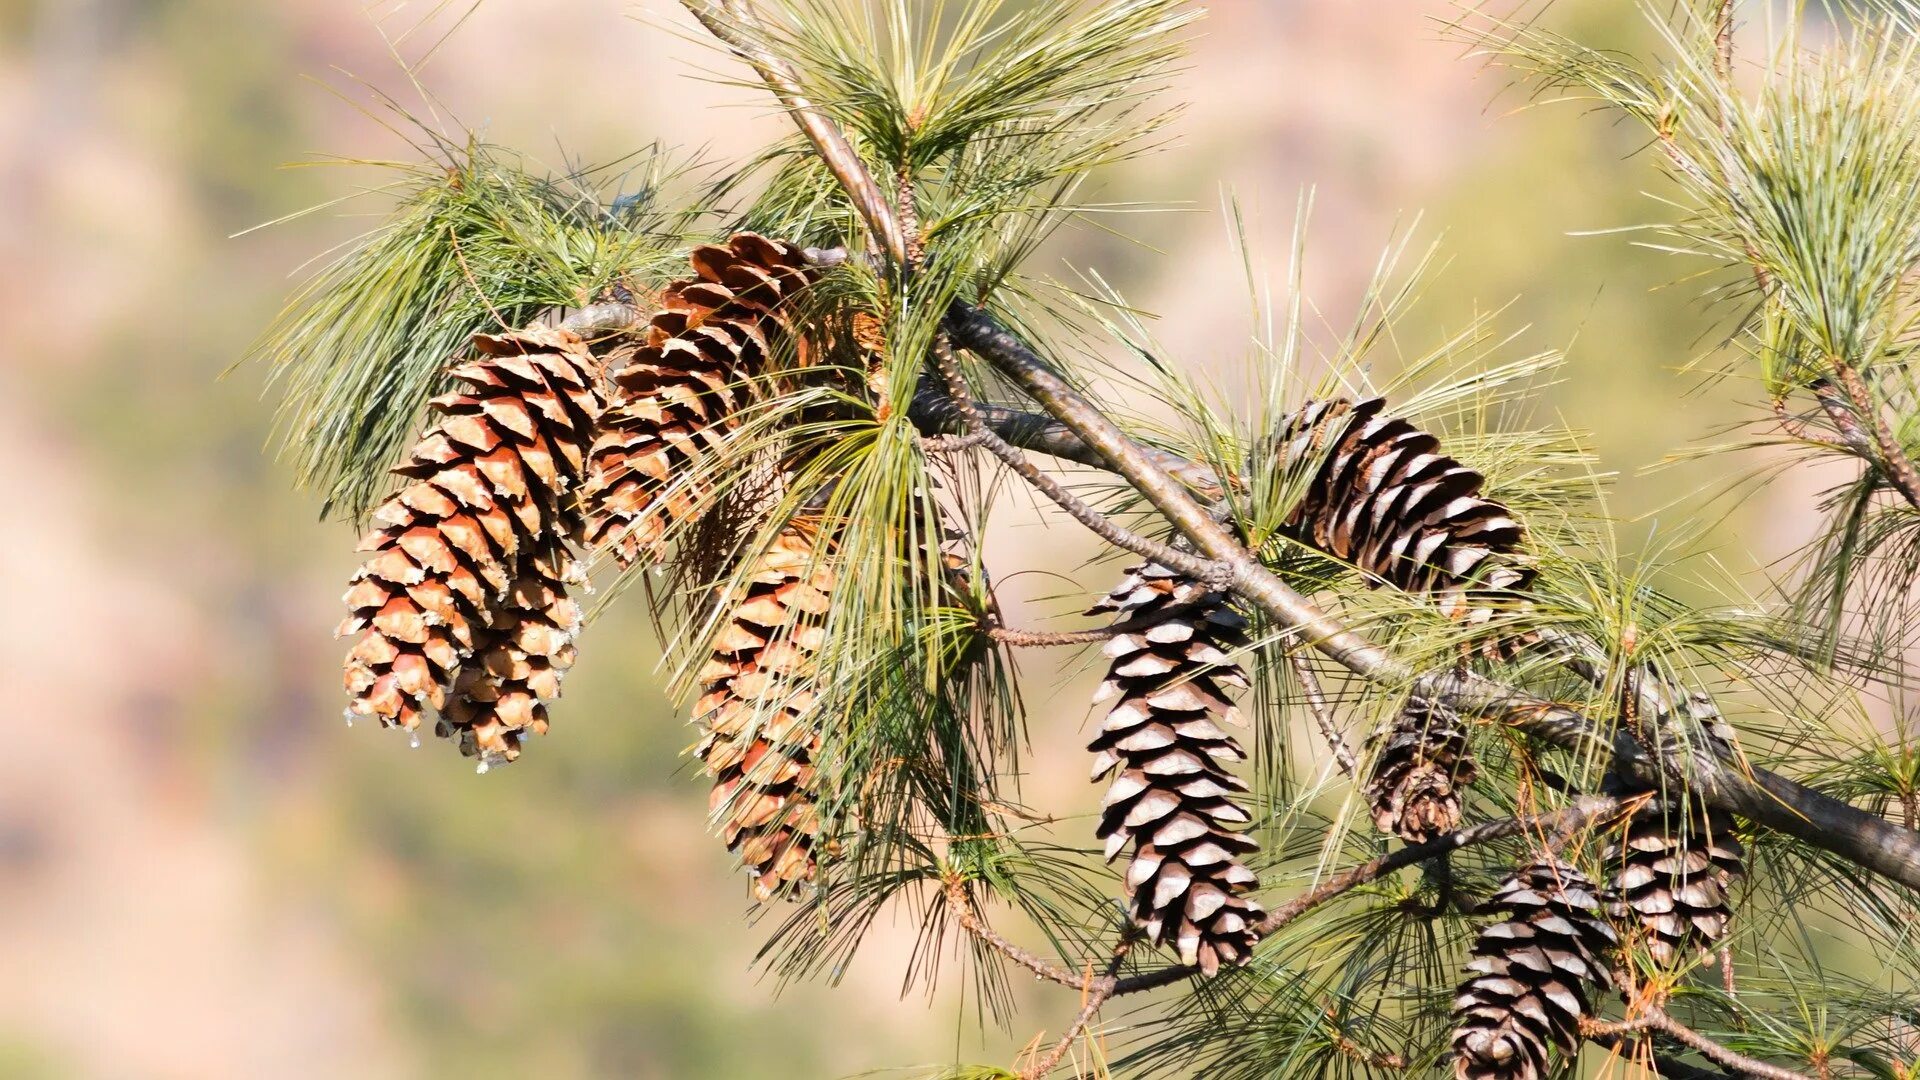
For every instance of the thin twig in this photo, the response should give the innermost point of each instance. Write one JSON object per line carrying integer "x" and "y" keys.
{"x": 971, "y": 922}
{"x": 733, "y": 22}
{"x": 1653, "y": 1018}
{"x": 1668, "y": 1067}
{"x": 1316, "y": 696}
{"x": 1099, "y": 524}
{"x": 1093, "y": 997}
{"x": 1892, "y": 457}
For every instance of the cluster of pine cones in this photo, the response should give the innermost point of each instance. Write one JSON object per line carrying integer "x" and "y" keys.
{"x": 554, "y": 447}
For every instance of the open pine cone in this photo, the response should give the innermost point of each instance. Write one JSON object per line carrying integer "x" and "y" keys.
{"x": 489, "y": 502}
{"x": 1171, "y": 793}
{"x": 684, "y": 389}
{"x": 1531, "y": 975}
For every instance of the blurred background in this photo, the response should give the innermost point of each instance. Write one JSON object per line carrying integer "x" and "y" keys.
{"x": 205, "y": 873}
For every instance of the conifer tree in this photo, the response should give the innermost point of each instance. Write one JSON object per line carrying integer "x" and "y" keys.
{"x": 1591, "y": 824}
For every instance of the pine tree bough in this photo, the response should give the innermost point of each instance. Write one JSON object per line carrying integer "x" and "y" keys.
{"x": 1532, "y": 974}
{"x": 1171, "y": 793}
{"x": 1866, "y": 839}
{"x": 1418, "y": 771}
{"x": 683, "y": 391}
{"x": 1673, "y": 876}
{"x": 475, "y": 540}
{"x": 760, "y": 731}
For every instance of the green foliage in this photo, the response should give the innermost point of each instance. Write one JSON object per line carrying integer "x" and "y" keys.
{"x": 473, "y": 241}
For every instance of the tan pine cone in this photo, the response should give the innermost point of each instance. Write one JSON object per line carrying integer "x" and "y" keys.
{"x": 682, "y": 392}
{"x": 1674, "y": 875}
{"x": 490, "y": 484}
{"x": 1384, "y": 498}
{"x": 1171, "y": 793}
{"x": 759, "y": 727}
{"x": 1423, "y": 762}
{"x": 1532, "y": 975}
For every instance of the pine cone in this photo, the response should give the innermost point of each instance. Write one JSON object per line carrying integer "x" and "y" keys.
{"x": 759, "y": 729}
{"x": 681, "y": 394}
{"x": 1417, "y": 775}
{"x": 1386, "y": 500}
{"x": 1171, "y": 793}
{"x": 490, "y": 485}
{"x": 1674, "y": 874}
{"x": 1532, "y": 975}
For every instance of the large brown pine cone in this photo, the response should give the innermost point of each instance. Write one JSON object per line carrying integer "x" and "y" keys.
{"x": 1531, "y": 975}
{"x": 683, "y": 390}
{"x": 1674, "y": 875}
{"x": 1422, "y": 763}
{"x": 759, "y": 727}
{"x": 1171, "y": 793}
{"x": 1384, "y": 498}
{"x": 492, "y": 483}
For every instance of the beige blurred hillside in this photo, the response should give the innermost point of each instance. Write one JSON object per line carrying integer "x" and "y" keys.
{"x": 204, "y": 873}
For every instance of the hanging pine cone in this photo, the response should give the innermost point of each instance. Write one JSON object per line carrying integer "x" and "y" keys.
{"x": 491, "y": 484}
{"x": 1674, "y": 875}
{"x": 1421, "y": 765}
{"x": 759, "y": 728}
{"x": 1386, "y": 500}
{"x": 681, "y": 394}
{"x": 1171, "y": 793}
{"x": 1532, "y": 974}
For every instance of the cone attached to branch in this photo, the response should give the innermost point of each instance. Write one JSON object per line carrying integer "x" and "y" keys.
{"x": 683, "y": 390}
{"x": 1673, "y": 874}
{"x": 1170, "y": 792}
{"x": 760, "y": 729}
{"x": 1532, "y": 975}
{"x": 490, "y": 494}
{"x": 1422, "y": 763}
{"x": 1384, "y": 498}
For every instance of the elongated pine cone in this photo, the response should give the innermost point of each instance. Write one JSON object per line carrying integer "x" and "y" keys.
{"x": 1673, "y": 874}
{"x": 683, "y": 390}
{"x": 1386, "y": 500}
{"x": 1171, "y": 793}
{"x": 489, "y": 497}
{"x": 759, "y": 727}
{"x": 1423, "y": 762}
{"x": 1531, "y": 975}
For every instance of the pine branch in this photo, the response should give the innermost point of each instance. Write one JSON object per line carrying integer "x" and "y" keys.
{"x": 1775, "y": 801}
{"x": 1100, "y": 524}
{"x": 1653, "y": 1018}
{"x": 733, "y": 22}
